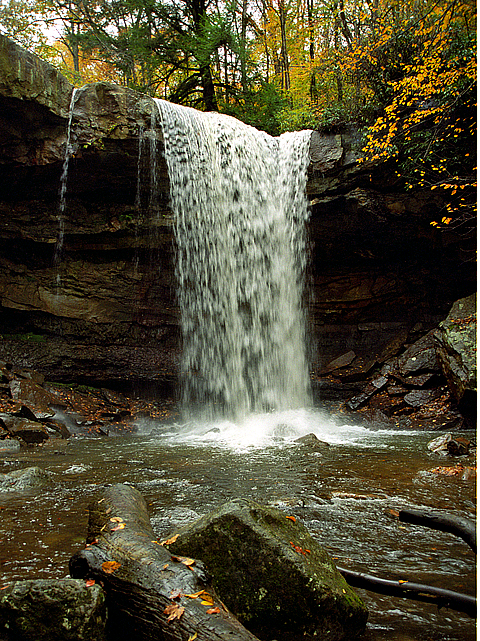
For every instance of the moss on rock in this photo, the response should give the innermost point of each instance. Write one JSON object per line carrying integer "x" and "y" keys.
{"x": 52, "y": 610}
{"x": 272, "y": 574}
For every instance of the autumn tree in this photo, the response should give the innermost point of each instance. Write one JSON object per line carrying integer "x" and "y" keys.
{"x": 26, "y": 22}
{"x": 423, "y": 70}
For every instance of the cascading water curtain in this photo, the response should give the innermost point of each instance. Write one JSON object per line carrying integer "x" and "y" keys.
{"x": 239, "y": 200}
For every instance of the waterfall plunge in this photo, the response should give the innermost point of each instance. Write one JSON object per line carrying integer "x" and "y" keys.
{"x": 240, "y": 208}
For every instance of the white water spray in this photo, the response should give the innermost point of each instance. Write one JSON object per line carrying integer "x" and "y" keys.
{"x": 240, "y": 208}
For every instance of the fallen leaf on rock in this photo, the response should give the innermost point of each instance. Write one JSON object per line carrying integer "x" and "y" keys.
{"x": 292, "y": 518}
{"x": 195, "y": 595}
{"x": 110, "y": 566}
{"x": 299, "y": 550}
{"x": 174, "y": 611}
{"x": 120, "y": 526}
{"x": 171, "y": 540}
{"x": 165, "y": 566}
{"x": 176, "y": 594}
{"x": 88, "y": 583}
{"x": 87, "y": 545}
{"x": 213, "y": 610}
{"x": 192, "y": 637}
{"x": 393, "y": 512}
{"x": 117, "y": 519}
{"x": 183, "y": 559}
{"x": 207, "y": 599}
{"x": 448, "y": 470}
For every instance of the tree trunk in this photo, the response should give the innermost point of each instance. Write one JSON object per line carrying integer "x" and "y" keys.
{"x": 208, "y": 89}
{"x": 311, "y": 37}
{"x": 151, "y": 594}
{"x": 284, "y": 50}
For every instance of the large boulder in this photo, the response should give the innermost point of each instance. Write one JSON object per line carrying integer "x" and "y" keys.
{"x": 431, "y": 383}
{"x": 25, "y": 479}
{"x": 25, "y": 76}
{"x": 52, "y": 610}
{"x": 277, "y": 580}
{"x": 457, "y": 349}
{"x": 24, "y": 429}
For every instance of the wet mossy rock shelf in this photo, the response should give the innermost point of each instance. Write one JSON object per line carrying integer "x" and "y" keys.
{"x": 377, "y": 268}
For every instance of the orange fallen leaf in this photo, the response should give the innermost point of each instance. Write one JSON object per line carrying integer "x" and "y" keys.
{"x": 446, "y": 470}
{"x": 119, "y": 526}
{"x": 165, "y": 566}
{"x": 174, "y": 611}
{"x": 88, "y": 583}
{"x": 207, "y": 599}
{"x": 292, "y": 518}
{"x": 87, "y": 545}
{"x": 110, "y": 566}
{"x": 183, "y": 559}
{"x": 400, "y": 581}
{"x": 171, "y": 540}
{"x": 195, "y": 595}
{"x": 117, "y": 519}
{"x": 213, "y": 610}
{"x": 299, "y": 550}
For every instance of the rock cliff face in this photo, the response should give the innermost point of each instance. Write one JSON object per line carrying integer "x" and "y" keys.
{"x": 105, "y": 310}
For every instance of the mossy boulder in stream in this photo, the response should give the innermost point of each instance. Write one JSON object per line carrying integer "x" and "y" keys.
{"x": 270, "y": 572}
{"x": 52, "y": 610}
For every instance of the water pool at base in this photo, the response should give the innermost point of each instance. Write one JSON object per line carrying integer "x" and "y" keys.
{"x": 343, "y": 493}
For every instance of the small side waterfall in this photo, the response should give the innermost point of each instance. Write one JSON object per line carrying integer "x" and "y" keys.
{"x": 239, "y": 200}
{"x": 57, "y": 259}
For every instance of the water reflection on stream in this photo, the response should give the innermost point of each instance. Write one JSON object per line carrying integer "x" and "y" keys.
{"x": 342, "y": 493}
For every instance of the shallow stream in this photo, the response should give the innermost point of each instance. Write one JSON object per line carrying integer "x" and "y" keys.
{"x": 343, "y": 493}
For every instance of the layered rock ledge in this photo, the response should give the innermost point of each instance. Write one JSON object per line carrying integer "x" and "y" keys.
{"x": 107, "y": 313}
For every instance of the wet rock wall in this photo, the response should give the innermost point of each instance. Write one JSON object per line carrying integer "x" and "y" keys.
{"x": 106, "y": 311}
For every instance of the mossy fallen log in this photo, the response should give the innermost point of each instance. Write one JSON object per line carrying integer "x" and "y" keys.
{"x": 151, "y": 594}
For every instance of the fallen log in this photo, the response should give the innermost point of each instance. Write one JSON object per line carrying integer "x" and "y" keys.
{"x": 151, "y": 594}
{"x": 415, "y": 591}
{"x": 464, "y": 528}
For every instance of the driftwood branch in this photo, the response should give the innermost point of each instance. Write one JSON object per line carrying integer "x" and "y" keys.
{"x": 415, "y": 591}
{"x": 464, "y": 528}
{"x": 151, "y": 594}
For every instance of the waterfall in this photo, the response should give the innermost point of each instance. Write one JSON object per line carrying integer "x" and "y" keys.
{"x": 238, "y": 196}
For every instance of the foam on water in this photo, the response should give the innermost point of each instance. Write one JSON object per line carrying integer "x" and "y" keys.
{"x": 271, "y": 429}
